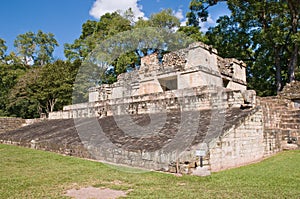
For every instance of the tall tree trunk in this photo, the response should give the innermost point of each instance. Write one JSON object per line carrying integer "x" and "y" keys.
{"x": 50, "y": 105}
{"x": 278, "y": 69}
{"x": 293, "y": 63}
{"x": 294, "y": 7}
{"x": 40, "y": 110}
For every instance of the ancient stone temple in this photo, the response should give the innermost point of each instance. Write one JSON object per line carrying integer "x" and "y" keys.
{"x": 196, "y": 66}
{"x": 183, "y": 72}
{"x": 187, "y": 112}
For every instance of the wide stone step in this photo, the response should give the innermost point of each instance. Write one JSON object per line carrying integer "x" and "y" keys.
{"x": 290, "y": 120}
{"x": 292, "y": 132}
{"x": 290, "y": 125}
{"x": 293, "y": 113}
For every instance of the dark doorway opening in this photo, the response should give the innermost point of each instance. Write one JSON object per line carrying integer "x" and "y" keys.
{"x": 168, "y": 83}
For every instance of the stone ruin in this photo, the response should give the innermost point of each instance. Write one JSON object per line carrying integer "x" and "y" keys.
{"x": 185, "y": 72}
{"x": 282, "y": 118}
{"x": 189, "y": 112}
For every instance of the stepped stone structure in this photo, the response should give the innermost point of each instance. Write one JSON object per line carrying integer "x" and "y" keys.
{"x": 282, "y": 118}
{"x": 11, "y": 123}
{"x": 8, "y": 124}
{"x": 189, "y": 112}
{"x": 185, "y": 72}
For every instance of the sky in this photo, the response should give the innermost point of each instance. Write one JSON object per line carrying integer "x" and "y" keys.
{"x": 64, "y": 18}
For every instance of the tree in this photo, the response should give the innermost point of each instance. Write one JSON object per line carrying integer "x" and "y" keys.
{"x": 35, "y": 48}
{"x": 194, "y": 33}
{"x": 94, "y": 32}
{"x": 26, "y": 45}
{"x": 199, "y": 11}
{"x": 22, "y": 102}
{"x": 43, "y": 89}
{"x": 82, "y": 46}
{"x": 46, "y": 44}
{"x": 12, "y": 59}
{"x": 262, "y": 33}
{"x": 228, "y": 36}
{"x": 294, "y": 10}
{"x": 55, "y": 85}
{"x": 164, "y": 19}
{"x": 3, "y": 49}
{"x": 8, "y": 78}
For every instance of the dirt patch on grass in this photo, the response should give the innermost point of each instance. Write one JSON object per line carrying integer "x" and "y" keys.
{"x": 95, "y": 193}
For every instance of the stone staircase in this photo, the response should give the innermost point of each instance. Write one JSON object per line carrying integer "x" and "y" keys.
{"x": 281, "y": 124}
{"x": 290, "y": 125}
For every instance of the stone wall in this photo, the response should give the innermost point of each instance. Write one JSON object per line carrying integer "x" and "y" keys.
{"x": 185, "y": 99}
{"x": 291, "y": 91}
{"x": 241, "y": 145}
{"x": 8, "y": 124}
{"x": 195, "y": 66}
{"x": 172, "y": 147}
{"x": 58, "y": 136}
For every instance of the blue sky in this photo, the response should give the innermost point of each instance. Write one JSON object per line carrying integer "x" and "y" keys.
{"x": 64, "y": 18}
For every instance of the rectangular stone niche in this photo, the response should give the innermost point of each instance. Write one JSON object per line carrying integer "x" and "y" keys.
{"x": 168, "y": 83}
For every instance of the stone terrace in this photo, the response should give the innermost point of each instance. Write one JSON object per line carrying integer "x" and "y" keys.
{"x": 8, "y": 124}
{"x": 62, "y": 136}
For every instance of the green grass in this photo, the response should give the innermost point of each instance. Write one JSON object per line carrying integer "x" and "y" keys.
{"x": 26, "y": 173}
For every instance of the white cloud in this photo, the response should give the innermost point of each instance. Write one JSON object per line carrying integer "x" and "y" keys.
{"x": 183, "y": 22}
{"x": 179, "y": 14}
{"x": 203, "y": 25}
{"x": 209, "y": 23}
{"x": 101, "y": 7}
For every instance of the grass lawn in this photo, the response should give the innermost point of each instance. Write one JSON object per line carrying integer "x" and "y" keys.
{"x": 26, "y": 173}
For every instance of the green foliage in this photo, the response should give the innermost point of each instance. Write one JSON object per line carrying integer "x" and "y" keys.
{"x": 46, "y": 44}
{"x": 192, "y": 28}
{"x": 26, "y": 45}
{"x": 142, "y": 23}
{"x": 27, "y": 173}
{"x": 164, "y": 19}
{"x": 56, "y": 85}
{"x": 194, "y": 33}
{"x": 30, "y": 82}
{"x": 22, "y": 102}
{"x": 9, "y": 75}
{"x": 261, "y": 33}
{"x": 43, "y": 90}
{"x": 12, "y": 59}
{"x": 93, "y": 32}
{"x": 3, "y": 49}
{"x": 227, "y": 37}
{"x": 37, "y": 48}
{"x": 198, "y": 11}
{"x": 126, "y": 61}
{"x": 119, "y": 43}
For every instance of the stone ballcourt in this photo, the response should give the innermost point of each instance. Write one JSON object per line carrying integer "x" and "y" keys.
{"x": 182, "y": 96}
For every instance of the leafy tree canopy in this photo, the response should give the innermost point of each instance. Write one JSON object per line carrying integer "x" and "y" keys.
{"x": 262, "y": 33}
{"x": 36, "y": 48}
